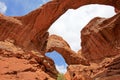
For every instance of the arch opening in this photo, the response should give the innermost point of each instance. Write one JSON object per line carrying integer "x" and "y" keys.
{"x": 59, "y": 61}
{"x": 72, "y": 21}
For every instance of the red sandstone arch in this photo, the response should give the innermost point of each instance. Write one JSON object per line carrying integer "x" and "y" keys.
{"x": 58, "y": 44}
{"x": 30, "y": 31}
{"x": 37, "y": 22}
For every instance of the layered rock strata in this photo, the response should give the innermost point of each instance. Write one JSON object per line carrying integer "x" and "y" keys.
{"x": 107, "y": 69}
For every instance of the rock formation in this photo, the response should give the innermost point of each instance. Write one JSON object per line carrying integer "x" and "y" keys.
{"x": 107, "y": 69}
{"x": 101, "y": 38}
{"x": 24, "y": 41}
{"x": 58, "y": 44}
{"x": 100, "y": 46}
{"x": 38, "y": 22}
{"x": 17, "y": 64}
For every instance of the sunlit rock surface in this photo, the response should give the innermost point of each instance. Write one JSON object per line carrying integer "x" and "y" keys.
{"x": 24, "y": 40}
{"x": 101, "y": 38}
{"x": 58, "y": 44}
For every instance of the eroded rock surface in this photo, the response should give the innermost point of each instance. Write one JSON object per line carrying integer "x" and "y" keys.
{"x": 101, "y": 38}
{"x": 60, "y": 45}
{"x": 24, "y": 41}
{"x": 16, "y": 64}
{"x": 107, "y": 69}
{"x": 100, "y": 46}
{"x": 37, "y": 22}
{"x": 111, "y": 72}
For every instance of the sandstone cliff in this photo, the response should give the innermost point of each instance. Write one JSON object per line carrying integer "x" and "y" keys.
{"x": 100, "y": 46}
{"x": 101, "y": 38}
{"x": 24, "y": 41}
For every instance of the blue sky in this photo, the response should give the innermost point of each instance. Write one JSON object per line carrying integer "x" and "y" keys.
{"x": 58, "y": 60}
{"x": 21, "y": 7}
{"x": 67, "y": 26}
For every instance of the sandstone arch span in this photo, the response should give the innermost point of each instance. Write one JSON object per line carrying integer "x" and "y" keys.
{"x": 58, "y": 44}
{"x": 36, "y": 28}
{"x": 30, "y": 31}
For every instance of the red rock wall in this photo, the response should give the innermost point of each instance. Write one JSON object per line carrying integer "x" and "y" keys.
{"x": 100, "y": 46}
{"x": 101, "y": 38}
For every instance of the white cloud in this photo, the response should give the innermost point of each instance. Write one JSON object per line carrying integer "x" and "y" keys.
{"x": 61, "y": 68}
{"x": 71, "y": 23}
{"x": 3, "y": 7}
{"x": 45, "y": 1}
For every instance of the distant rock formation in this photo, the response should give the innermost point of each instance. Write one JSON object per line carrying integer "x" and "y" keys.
{"x": 58, "y": 44}
{"x": 24, "y": 41}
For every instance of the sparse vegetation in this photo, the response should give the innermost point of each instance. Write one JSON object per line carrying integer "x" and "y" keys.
{"x": 61, "y": 77}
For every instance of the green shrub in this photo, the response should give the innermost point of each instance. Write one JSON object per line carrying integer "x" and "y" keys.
{"x": 61, "y": 77}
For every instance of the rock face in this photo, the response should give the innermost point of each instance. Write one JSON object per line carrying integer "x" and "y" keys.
{"x": 111, "y": 71}
{"x": 24, "y": 41}
{"x": 17, "y": 64}
{"x": 100, "y": 46}
{"x": 107, "y": 69}
{"x": 18, "y": 28}
{"x": 101, "y": 38}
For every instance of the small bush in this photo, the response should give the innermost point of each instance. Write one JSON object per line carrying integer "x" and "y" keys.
{"x": 61, "y": 77}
